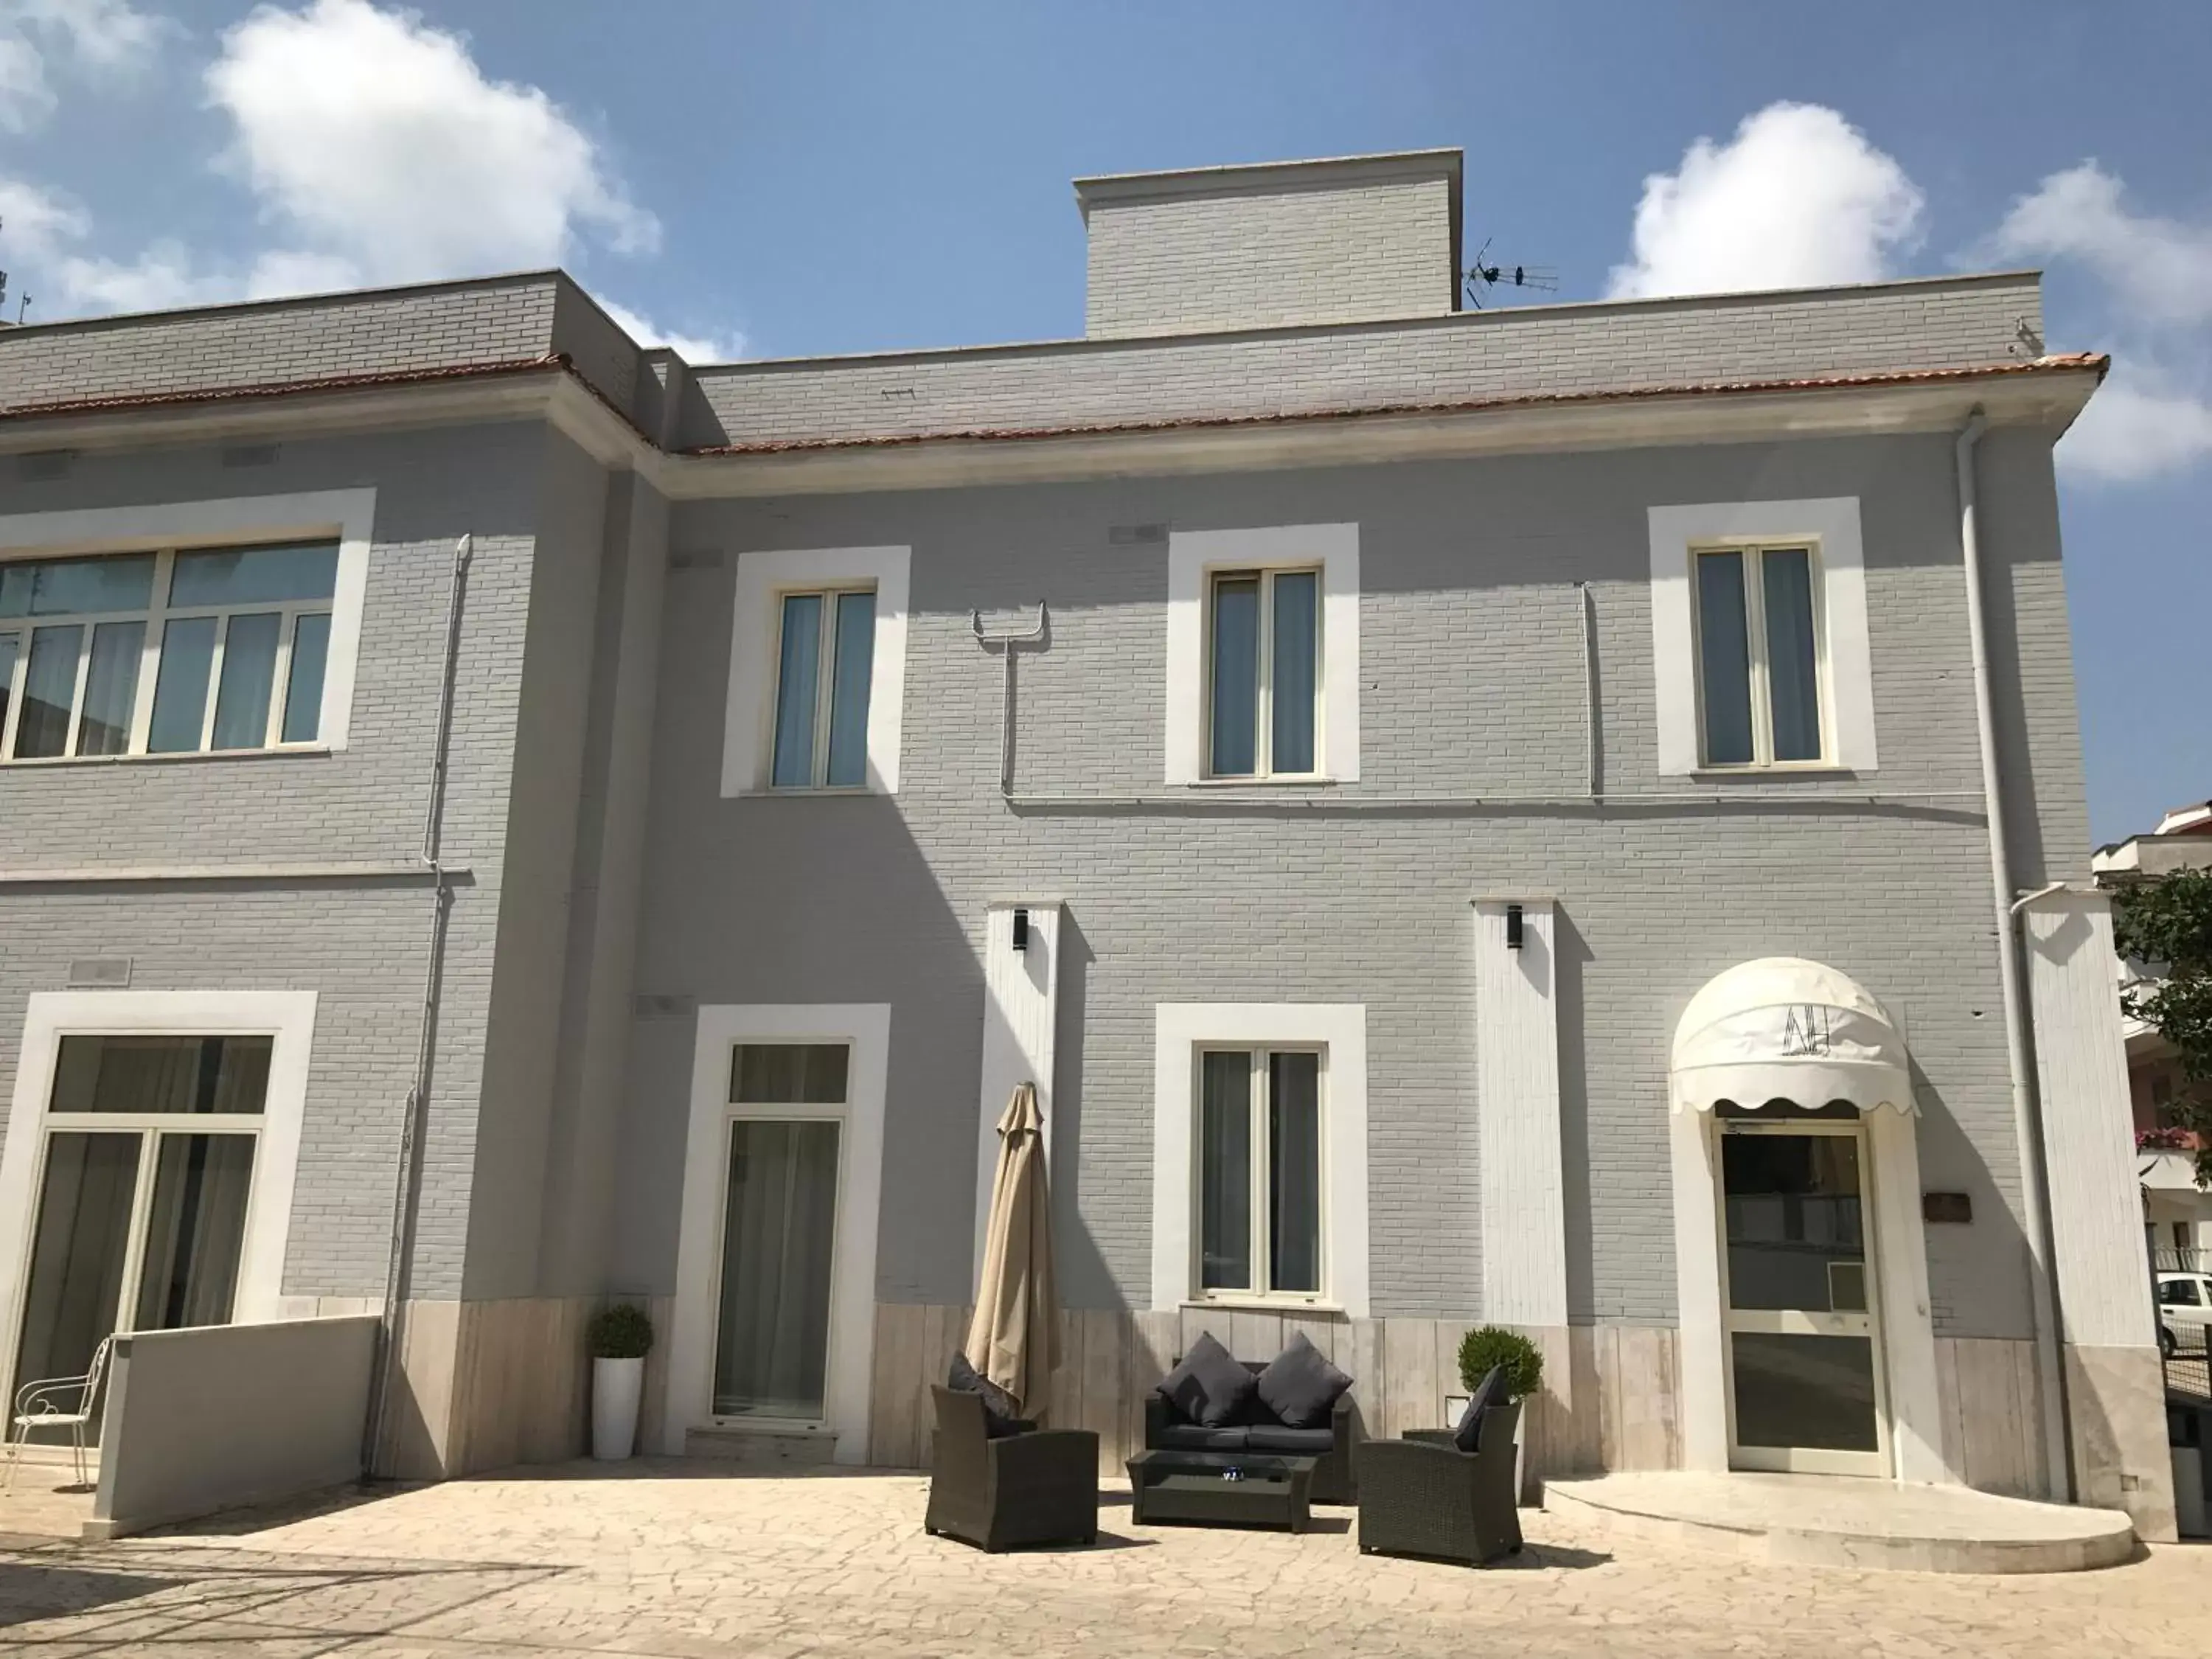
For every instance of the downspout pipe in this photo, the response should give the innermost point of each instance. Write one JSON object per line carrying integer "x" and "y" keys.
{"x": 407, "y": 1178}
{"x": 2025, "y": 1121}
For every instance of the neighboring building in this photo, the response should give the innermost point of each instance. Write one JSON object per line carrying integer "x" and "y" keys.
{"x": 2177, "y": 1211}
{"x": 1420, "y": 791}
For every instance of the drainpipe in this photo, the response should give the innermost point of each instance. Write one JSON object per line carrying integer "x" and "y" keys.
{"x": 2027, "y": 1126}
{"x": 407, "y": 1180}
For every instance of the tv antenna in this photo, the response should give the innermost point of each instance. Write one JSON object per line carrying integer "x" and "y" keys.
{"x": 1485, "y": 276}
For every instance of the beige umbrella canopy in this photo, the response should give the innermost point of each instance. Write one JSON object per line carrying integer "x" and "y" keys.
{"x": 1014, "y": 1339}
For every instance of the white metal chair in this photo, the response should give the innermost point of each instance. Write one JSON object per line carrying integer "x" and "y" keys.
{"x": 39, "y": 1405}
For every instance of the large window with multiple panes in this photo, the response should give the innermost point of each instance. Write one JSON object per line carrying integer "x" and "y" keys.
{"x": 1263, "y": 673}
{"x": 145, "y": 1173}
{"x": 1260, "y": 1175}
{"x": 1759, "y": 660}
{"x": 169, "y": 651}
{"x": 825, "y": 653}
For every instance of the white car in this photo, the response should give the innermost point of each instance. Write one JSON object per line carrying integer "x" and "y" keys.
{"x": 2184, "y": 1311}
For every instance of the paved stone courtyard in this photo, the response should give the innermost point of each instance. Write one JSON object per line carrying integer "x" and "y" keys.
{"x": 674, "y": 1558}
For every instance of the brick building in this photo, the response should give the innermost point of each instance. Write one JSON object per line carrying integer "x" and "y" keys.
{"x": 1497, "y": 808}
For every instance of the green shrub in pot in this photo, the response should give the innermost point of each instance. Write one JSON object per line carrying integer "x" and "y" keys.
{"x": 622, "y": 1331}
{"x": 1494, "y": 1345}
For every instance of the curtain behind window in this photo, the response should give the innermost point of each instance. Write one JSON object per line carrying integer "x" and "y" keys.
{"x": 779, "y": 1233}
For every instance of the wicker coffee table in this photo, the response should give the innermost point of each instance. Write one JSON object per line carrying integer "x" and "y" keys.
{"x": 1219, "y": 1489}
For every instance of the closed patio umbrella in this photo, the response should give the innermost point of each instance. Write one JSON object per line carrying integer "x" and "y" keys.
{"x": 1014, "y": 1338}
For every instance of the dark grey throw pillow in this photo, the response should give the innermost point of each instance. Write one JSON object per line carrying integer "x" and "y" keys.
{"x": 1491, "y": 1391}
{"x": 1001, "y": 1413}
{"x": 1301, "y": 1387}
{"x": 1209, "y": 1386}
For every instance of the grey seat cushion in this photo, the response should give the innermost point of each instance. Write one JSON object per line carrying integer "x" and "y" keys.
{"x": 1001, "y": 1417}
{"x": 1298, "y": 1442}
{"x": 1491, "y": 1391}
{"x": 1209, "y": 1387}
{"x": 1300, "y": 1386}
{"x": 1190, "y": 1437}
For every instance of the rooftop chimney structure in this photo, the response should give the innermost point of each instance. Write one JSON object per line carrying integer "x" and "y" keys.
{"x": 1277, "y": 244}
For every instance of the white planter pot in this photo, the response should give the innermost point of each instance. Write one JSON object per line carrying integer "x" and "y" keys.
{"x": 617, "y": 1385}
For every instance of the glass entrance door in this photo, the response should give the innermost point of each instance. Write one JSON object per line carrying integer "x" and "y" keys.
{"x": 779, "y": 1248}
{"x": 1805, "y": 1371}
{"x": 144, "y": 1182}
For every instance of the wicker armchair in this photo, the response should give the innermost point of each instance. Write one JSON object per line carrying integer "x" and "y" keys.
{"x": 1423, "y": 1496}
{"x": 1037, "y": 1487}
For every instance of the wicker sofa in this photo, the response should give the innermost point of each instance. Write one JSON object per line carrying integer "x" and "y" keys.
{"x": 1038, "y": 1486}
{"x": 1423, "y": 1496}
{"x": 1335, "y": 1481}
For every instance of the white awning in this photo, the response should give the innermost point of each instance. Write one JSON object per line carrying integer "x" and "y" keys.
{"x": 1782, "y": 1028}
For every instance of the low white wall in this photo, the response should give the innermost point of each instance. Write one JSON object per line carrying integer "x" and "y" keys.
{"x": 216, "y": 1416}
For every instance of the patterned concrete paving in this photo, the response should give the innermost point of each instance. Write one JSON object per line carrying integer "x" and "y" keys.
{"x": 672, "y": 1559}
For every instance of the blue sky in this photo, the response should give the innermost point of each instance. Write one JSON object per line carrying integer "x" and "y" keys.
{"x": 780, "y": 180}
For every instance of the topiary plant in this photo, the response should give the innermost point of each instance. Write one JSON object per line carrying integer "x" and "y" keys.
{"x": 1494, "y": 1345}
{"x": 622, "y": 1331}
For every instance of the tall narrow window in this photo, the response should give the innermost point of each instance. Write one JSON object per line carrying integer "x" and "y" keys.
{"x": 239, "y": 639}
{"x": 1264, "y": 674}
{"x": 1759, "y": 656}
{"x": 1260, "y": 1172}
{"x": 779, "y": 1229}
{"x": 825, "y": 664}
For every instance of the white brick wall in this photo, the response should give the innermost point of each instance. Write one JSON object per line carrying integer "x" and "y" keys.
{"x": 1259, "y": 259}
{"x": 1471, "y": 687}
{"x": 1473, "y": 355}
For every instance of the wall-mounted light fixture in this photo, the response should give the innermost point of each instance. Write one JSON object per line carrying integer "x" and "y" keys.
{"x": 1021, "y": 930}
{"x": 1512, "y": 926}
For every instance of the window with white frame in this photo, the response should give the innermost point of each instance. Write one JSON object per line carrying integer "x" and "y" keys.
{"x": 147, "y": 1166}
{"x": 1263, "y": 656}
{"x": 818, "y": 671}
{"x": 167, "y": 652}
{"x": 1263, "y": 673}
{"x": 825, "y": 649}
{"x": 1258, "y": 1160}
{"x": 1759, "y": 650}
{"x": 786, "y": 1124}
{"x": 1759, "y": 660}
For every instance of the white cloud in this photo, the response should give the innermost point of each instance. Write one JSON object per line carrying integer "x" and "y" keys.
{"x": 38, "y": 223}
{"x": 1797, "y": 198}
{"x": 2162, "y": 266}
{"x": 378, "y": 151}
{"x": 106, "y": 35}
{"x": 26, "y": 99}
{"x": 2136, "y": 427}
{"x": 2152, "y": 283}
{"x": 101, "y": 37}
{"x": 373, "y": 137}
{"x": 693, "y": 349}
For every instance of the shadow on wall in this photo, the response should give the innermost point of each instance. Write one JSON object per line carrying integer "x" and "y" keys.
{"x": 1571, "y": 953}
{"x": 1084, "y": 1280}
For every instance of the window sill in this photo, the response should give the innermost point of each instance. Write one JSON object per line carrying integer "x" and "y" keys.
{"x": 811, "y": 793}
{"x": 27, "y": 763}
{"x": 1269, "y": 1304}
{"x": 1785, "y": 769}
{"x": 1288, "y": 780}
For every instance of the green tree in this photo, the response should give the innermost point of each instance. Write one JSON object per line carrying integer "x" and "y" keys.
{"x": 2165, "y": 922}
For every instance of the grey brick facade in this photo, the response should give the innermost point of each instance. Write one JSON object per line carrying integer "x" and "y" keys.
{"x": 1249, "y": 247}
